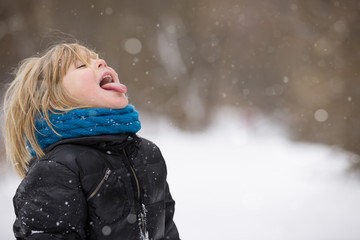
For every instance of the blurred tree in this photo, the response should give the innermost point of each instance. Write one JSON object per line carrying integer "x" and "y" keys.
{"x": 296, "y": 61}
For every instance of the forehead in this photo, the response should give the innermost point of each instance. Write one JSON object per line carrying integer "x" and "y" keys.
{"x": 67, "y": 56}
{"x": 81, "y": 53}
{"x": 73, "y": 54}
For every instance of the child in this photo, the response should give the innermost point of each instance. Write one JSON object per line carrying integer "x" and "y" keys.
{"x": 72, "y": 138}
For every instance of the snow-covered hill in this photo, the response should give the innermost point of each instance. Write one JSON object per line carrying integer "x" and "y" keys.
{"x": 245, "y": 180}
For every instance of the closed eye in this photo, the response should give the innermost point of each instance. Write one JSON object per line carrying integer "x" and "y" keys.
{"x": 81, "y": 66}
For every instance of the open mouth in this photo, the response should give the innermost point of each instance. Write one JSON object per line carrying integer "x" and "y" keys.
{"x": 106, "y": 79}
{"x": 107, "y": 83}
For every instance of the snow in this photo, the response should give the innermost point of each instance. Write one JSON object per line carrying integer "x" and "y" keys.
{"x": 243, "y": 179}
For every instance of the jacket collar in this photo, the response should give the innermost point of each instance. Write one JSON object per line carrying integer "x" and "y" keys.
{"x": 100, "y": 141}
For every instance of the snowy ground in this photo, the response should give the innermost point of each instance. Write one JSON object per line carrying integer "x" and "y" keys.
{"x": 242, "y": 181}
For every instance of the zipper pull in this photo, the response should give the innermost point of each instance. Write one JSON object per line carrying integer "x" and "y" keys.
{"x": 105, "y": 178}
{"x": 107, "y": 174}
{"x": 142, "y": 223}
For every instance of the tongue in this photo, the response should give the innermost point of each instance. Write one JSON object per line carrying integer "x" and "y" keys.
{"x": 118, "y": 87}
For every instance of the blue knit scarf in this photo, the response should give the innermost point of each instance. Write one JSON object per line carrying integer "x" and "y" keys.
{"x": 85, "y": 122}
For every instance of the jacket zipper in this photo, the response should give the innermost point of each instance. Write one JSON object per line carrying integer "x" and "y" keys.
{"x": 106, "y": 176}
{"x": 142, "y": 206}
{"x": 134, "y": 174}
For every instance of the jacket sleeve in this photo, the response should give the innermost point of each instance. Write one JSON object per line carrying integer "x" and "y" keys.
{"x": 171, "y": 231}
{"x": 49, "y": 204}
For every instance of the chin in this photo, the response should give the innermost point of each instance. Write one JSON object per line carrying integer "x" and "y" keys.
{"x": 120, "y": 105}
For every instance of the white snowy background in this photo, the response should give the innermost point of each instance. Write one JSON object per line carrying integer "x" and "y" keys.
{"x": 243, "y": 180}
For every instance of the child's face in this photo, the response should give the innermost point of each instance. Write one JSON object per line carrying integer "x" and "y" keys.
{"x": 98, "y": 86}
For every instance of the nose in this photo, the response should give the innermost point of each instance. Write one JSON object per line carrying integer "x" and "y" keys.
{"x": 101, "y": 63}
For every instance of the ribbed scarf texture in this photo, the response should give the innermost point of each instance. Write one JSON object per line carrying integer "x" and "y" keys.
{"x": 86, "y": 122}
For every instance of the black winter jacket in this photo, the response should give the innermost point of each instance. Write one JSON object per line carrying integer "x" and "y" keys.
{"x": 98, "y": 187}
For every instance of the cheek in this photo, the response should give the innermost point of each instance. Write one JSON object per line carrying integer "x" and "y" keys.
{"x": 87, "y": 76}
{"x": 84, "y": 79}
{"x": 80, "y": 85}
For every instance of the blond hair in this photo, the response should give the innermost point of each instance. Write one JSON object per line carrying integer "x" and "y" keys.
{"x": 36, "y": 89}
